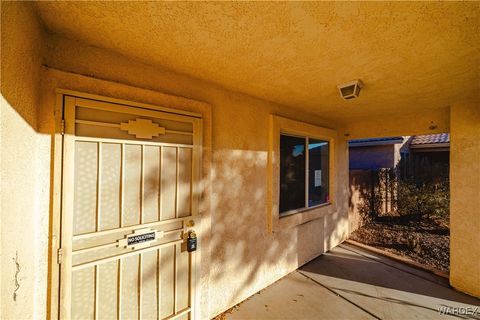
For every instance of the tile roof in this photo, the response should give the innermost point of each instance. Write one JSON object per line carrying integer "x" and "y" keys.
{"x": 431, "y": 139}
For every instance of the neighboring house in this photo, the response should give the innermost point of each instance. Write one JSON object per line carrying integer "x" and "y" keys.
{"x": 429, "y": 157}
{"x": 422, "y": 157}
{"x": 375, "y": 153}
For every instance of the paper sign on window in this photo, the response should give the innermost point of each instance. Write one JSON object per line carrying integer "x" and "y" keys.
{"x": 318, "y": 178}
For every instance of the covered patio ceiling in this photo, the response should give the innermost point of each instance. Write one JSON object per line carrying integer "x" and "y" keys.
{"x": 411, "y": 56}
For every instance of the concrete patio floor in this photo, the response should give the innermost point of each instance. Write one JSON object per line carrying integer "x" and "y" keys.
{"x": 351, "y": 283}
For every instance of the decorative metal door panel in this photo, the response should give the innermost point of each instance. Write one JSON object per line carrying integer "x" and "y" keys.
{"x": 130, "y": 179}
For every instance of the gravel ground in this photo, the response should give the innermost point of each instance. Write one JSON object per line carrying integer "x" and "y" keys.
{"x": 425, "y": 241}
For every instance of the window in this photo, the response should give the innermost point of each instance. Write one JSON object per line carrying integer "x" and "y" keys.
{"x": 292, "y": 173}
{"x": 317, "y": 172}
{"x": 304, "y": 173}
{"x": 301, "y": 183}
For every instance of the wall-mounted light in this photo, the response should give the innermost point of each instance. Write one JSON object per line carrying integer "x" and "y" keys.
{"x": 350, "y": 90}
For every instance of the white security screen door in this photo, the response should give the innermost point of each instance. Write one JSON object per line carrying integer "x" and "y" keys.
{"x": 130, "y": 179}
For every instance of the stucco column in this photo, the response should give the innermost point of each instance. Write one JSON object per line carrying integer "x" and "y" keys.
{"x": 465, "y": 198}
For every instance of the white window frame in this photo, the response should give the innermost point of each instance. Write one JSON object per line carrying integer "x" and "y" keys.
{"x": 278, "y": 126}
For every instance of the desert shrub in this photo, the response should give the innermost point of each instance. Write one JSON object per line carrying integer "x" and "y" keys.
{"x": 423, "y": 200}
{"x": 382, "y": 193}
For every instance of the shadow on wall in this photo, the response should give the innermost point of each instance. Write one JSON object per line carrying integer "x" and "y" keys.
{"x": 241, "y": 251}
{"x": 21, "y": 257}
{"x": 244, "y": 257}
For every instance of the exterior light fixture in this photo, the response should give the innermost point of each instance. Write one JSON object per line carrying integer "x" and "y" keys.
{"x": 350, "y": 90}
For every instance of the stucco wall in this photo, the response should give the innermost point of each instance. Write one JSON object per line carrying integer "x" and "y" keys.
{"x": 372, "y": 157}
{"x": 243, "y": 258}
{"x": 238, "y": 255}
{"x": 465, "y": 198}
{"x": 24, "y": 183}
{"x": 401, "y": 124}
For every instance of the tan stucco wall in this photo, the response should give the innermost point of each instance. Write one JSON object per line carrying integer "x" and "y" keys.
{"x": 244, "y": 257}
{"x": 401, "y": 124}
{"x": 465, "y": 198}
{"x": 238, "y": 255}
{"x": 24, "y": 167}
